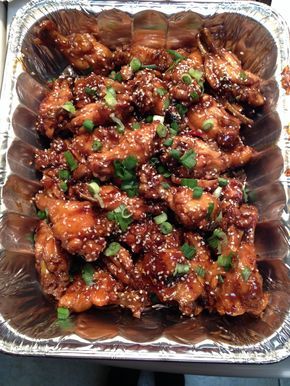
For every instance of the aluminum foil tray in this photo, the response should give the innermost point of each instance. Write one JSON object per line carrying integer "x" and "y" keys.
{"x": 27, "y": 319}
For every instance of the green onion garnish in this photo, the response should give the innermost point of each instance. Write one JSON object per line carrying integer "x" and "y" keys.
{"x": 210, "y": 209}
{"x": 72, "y": 163}
{"x": 181, "y": 269}
{"x": 168, "y": 142}
{"x": 243, "y": 75}
{"x": 68, "y": 106}
{"x": 217, "y": 192}
{"x": 161, "y": 130}
{"x": 121, "y": 216}
{"x": 188, "y": 159}
{"x": 246, "y": 273}
{"x": 189, "y": 251}
{"x": 194, "y": 95}
{"x": 130, "y": 162}
{"x": 62, "y": 313}
{"x": 200, "y": 271}
{"x": 161, "y": 218}
{"x": 196, "y": 74}
{"x": 93, "y": 188}
{"x": 220, "y": 279}
{"x": 165, "y": 185}
{"x": 218, "y": 236}
{"x": 189, "y": 182}
{"x": 176, "y": 55}
{"x": 64, "y": 174}
{"x": 161, "y": 91}
{"x": 135, "y": 64}
{"x": 186, "y": 78}
{"x": 125, "y": 170}
{"x": 149, "y": 66}
{"x": 88, "y": 274}
{"x": 89, "y": 125}
{"x": 149, "y": 119}
{"x": 223, "y": 181}
{"x": 96, "y": 145}
{"x": 207, "y": 124}
{"x": 197, "y": 192}
{"x": 63, "y": 186}
{"x": 166, "y": 228}
{"x": 182, "y": 110}
{"x": 225, "y": 261}
{"x": 135, "y": 125}
{"x": 174, "y": 126}
{"x": 120, "y": 125}
{"x": 112, "y": 249}
{"x": 116, "y": 76}
{"x": 175, "y": 154}
{"x": 42, "y": 214}
{"x": 90, "y": 91}
{"x": 166, "y": 103}
{"x": 130, "y": 187}
{"x": 110, "y": 97}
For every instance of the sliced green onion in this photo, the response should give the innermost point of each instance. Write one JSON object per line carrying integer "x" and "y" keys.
{"x": 159, "y": 118}
{"x": 217, "y": 192}
{"x": 175, "y": 154}
{"x": 116, "y": 76}
{"x": 176, "y": 55}
{"x": 181, "y": 269}
{"x": 110, "y": 97}
{"x": 219, "y": 217}
{"x": 189, "y": 251}
{"x": 120, "y": 125}
{"x": 162, "y": 170}
{"x": 89, "y": 125}
{"x": 97, "y": 145}
{"x": 72, "y": 163}
{"x": 161, "y": 91}
{"x": 194, "y": 95}
{"x": 149, "y": 66}
{"x": 135, "y": 64}
{"x": 214, "y": 241}
{"x": 243, "y": 75}
{"x": 130, "y": 162}
{"x": 62, "y": 313}
{"x": 166, "y": 103}
{"x": 168, "y": 142}
{"x": 63, "y": 186}
{"x": 196, "y": 74}
{"x": 166, "y": 228}
{"x": 149, "y": 119}
{"x": 90, "y": 91}
{"x": 68, "y": 106}
{"x": 186, "y": 78}
{"x": 112, "y": 249}
{"x": 160, "y": 218}
{"x": 182, "y": 110}
{"x": 197, "y": 192}
{"x": 189, "y": 182}
{"x": 42, "y": 214}
{"x": 246, "y": 194}
{"x": 210, "y": 209}
{"x": 130, "y": 187}
{"x": 246, "y": 273}
{"x": 88, "y": 274}
{"x": 200, "y": 271}
{"x": 207, "y": 124}
{"x": 174, "y": 125}
{"x": 225, "y": 261}
{"x": 223, "y": 181}
{"x": 220, "y": 279}
{"x": 165, "y": 185}
{"x": 136, "y": 125}
{"x": 121, "y": 216}
{"x": 188, "y": 159}
{"x": 93, "y": 188}
{"x": 64, "y": 174}
{"x": 161, "y": 130}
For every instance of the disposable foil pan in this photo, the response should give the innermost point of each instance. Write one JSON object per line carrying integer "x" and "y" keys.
{"x": 28, "y": 325}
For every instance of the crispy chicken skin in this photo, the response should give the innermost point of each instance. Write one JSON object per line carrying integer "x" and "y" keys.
{"x": 143, "y": 199}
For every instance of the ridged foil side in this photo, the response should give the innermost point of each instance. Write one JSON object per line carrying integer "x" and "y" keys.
{"x": 27, "y": 318}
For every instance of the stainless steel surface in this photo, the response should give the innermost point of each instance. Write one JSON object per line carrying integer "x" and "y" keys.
{"x": 28, "y": 324}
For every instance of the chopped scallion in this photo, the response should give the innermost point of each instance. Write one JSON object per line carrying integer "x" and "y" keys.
{"x": 62, "y": 313}
{"x": 181, "y": 269}
{"x": 112, "y": 249}
{"x": 197, "y": 192}
{"x": 207, "y": 124}
{"x": 189, "y": 251}
{"x": 88, "y": 274}
{"x": 72, "y": 163}
{"x": 68, "y": 106}
{"x": 188, "y": 159}
{"x": 166, "y": 228}
{"x": 97, "y": 145}
{"x": 161, "y": 218}
{"x": 189, "y": 182}
{"x": 246, "y": 273}
{"x": 89, "y": 125}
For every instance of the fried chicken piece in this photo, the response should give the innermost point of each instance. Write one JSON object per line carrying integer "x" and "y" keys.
{"x": 80, "y": 230}
{"x": 80, "y": 297}
{"x": 224, "y": 73}
{"x": 51, "y": 262}
{"x": 110, "y": 198}
{"x": 52, "y": 157}
{"x": 134, "y": 300}
{"x": 140, "y": 143}
{"x": 146, "y": 236}
{"x": 148, "y": 56}
{"x": 209, "y": 120}
{"x": 120, "y": 266}
{"x": 210, "y": 160}
{"x": 242, "y": 287}
{"x": 51, "y": 115}
{"x": 82, "y": 50}
{"x": 149, "y": 92}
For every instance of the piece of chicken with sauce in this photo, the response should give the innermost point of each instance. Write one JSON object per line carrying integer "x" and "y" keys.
{"x": 207, "y": 159}
{"x": 51, "y": 262}
{"x": 52, "y": 116}
{"x": 139, "y": 143}
{"x": 80, "y": 230}
{"x": 82, "y": 50}
{"x": 224, "y": 73}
